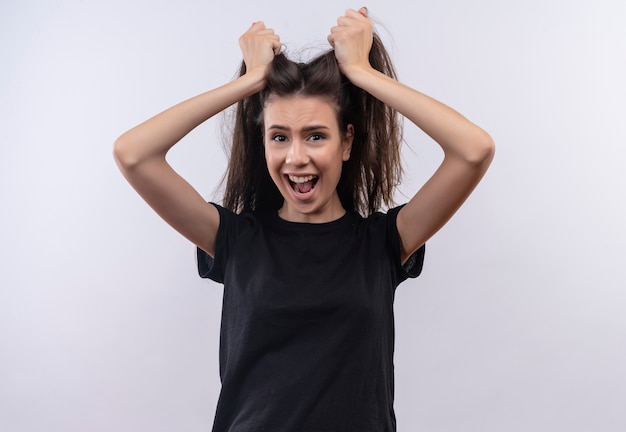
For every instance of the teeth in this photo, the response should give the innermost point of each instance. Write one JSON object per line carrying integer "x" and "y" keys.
{"x": 304, "y": 179}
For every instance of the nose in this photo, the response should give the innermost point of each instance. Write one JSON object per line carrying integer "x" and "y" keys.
{"x": 297, "y": 154}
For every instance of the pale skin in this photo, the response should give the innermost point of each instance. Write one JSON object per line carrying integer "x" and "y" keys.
{"x": 468, "y": 150}
{"x": 303, "y": 143}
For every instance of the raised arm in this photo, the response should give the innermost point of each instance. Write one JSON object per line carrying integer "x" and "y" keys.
{"x": 468, "y": 150}
{"x": 140, "y": 152}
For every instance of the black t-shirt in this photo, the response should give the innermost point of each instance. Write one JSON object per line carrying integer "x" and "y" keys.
{"x": 307, "y": 334}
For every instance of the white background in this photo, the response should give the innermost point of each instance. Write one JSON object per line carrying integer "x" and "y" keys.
{"x": 518, "y": 322}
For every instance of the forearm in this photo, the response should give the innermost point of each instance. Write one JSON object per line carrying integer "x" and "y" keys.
{"x": 154, "y": 137}
{"x": 457, "y": 136}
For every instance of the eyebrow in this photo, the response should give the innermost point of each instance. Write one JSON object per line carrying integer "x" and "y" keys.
{"x": 304, "y": 129}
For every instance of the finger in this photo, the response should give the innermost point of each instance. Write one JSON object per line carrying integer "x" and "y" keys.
{"x": 276, "y": 46}
{"x": 360, "y": 14}
{"x": 345, "y": 21}
{"x": 351, "y": 17}
{"x": 265, "y": 32}
{"x": 336, "y": 32}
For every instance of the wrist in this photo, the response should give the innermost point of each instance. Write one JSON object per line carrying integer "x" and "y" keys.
{"x": 255, "y": 79}
{"x": 359, "y": 74}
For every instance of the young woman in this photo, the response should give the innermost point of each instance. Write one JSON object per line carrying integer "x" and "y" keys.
{"x": 308, "y": 261}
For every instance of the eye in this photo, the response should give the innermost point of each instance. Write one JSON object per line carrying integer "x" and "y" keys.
{"x": 316, "y": 137}
{"x": 279, "y": 138}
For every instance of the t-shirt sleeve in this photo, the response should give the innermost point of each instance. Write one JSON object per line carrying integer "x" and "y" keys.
{"x": 412, "y": 268}
{"x": 214, "y": 267}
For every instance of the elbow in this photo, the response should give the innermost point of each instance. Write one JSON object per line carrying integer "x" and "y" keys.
{"x": 481, "y": 151}
{"x": 120, "y": 153}
{"x": 125, "y": 153}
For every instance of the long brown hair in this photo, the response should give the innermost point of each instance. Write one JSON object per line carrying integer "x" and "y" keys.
{"x": 368, "y": 178}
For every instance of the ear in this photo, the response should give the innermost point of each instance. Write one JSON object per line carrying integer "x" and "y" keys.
{"x": 347, "y": 142}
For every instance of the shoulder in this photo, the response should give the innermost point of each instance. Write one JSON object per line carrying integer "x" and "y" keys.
{"x": 384, "y": 225}
{"x": 381, "y": 220}
{"x": 236, "y": 231}
{"x": 231, "y": 221}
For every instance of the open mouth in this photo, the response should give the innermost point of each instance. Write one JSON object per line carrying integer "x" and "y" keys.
{"x": 304, "y": 184}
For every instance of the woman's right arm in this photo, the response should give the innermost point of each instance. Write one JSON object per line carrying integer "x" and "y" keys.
{"x": 140, "y": 152}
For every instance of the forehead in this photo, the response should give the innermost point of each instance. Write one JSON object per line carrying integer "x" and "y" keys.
{"x": 299, "y": 110}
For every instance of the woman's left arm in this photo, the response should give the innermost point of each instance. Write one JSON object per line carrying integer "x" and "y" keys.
{"x": 468, "y": 150}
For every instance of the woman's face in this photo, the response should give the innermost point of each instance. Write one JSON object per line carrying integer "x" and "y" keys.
{"x": 305, "y": 151}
